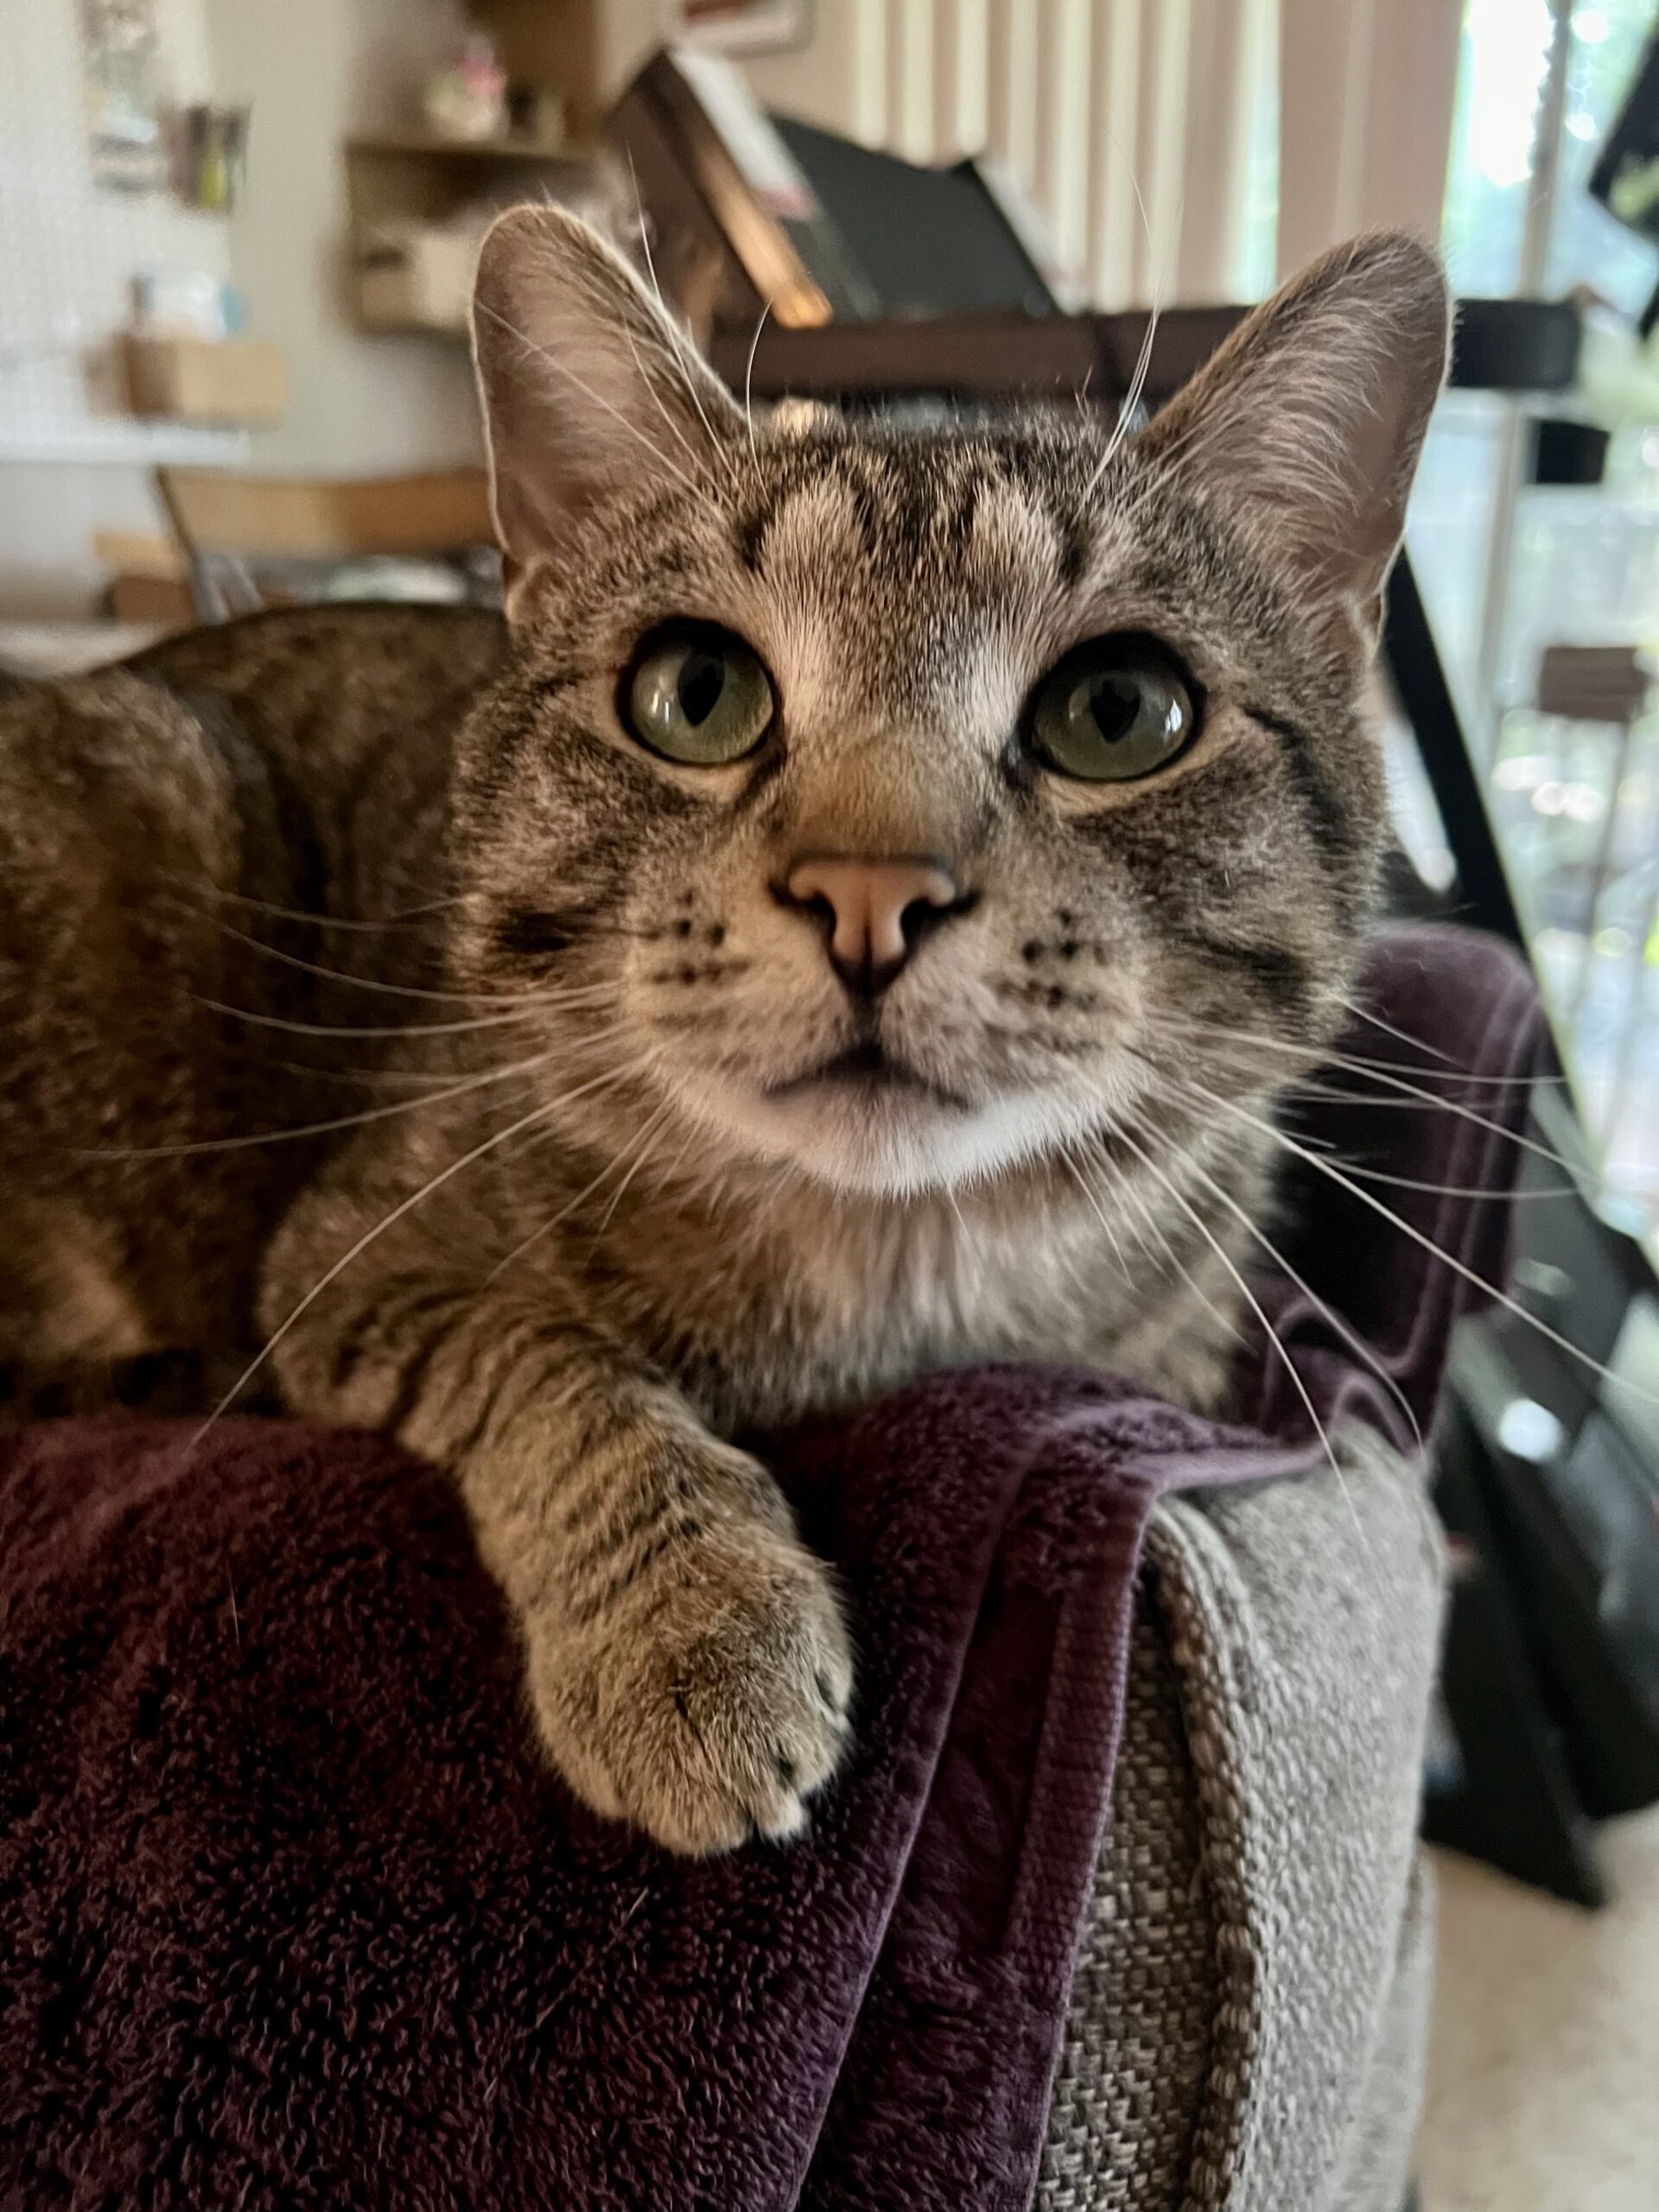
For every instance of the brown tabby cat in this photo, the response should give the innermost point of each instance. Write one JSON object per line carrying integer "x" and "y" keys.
{"x": 816, "y": 939}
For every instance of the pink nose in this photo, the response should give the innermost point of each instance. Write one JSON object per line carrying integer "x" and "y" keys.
{"x": 878, "y": 911}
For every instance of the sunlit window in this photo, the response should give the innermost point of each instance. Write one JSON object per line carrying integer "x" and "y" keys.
{"x": 1512, "y": 570}
{"x": 1501, "y": 76}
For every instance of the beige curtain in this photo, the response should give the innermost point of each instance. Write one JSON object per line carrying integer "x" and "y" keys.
{"x": 1366, "y": 90}
{"x": 1136, "y": 125}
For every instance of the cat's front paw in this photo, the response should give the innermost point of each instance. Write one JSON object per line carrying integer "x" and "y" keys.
{"x": 713, "y": 1712}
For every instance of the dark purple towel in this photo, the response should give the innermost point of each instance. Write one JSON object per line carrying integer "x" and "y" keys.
{"x": 290, "y": 1916}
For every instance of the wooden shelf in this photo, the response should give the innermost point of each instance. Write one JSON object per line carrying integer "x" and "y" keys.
{"x": 429, "y": 146}
{"x": 398, "y": 180}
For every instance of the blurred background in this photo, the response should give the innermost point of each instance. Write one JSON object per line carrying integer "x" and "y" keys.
{"x": 236, "y": 242}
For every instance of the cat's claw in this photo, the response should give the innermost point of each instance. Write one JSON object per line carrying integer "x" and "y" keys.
{"x": 721, "y": 1719}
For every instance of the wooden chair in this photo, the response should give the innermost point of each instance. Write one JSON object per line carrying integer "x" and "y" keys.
{"x": 226, "y": 524}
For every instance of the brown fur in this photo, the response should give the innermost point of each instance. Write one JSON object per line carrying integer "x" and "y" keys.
{"x": 411, "y": 867}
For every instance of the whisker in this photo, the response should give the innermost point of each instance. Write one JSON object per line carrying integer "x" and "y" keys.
{"x": 387, "y": 1221}
{"x": 1098, "y": 1210}
{"x": 1185, "y": 1025}
{"x": 560, "y": 368}
{"x": 362, "y": 1076}
{"x": 547, "y": 1227}
{"x": 400, "y": 920}
{"x": 1165, "y": 1250}
{"x": 748, "y": 383}
{"x": 649, "y": 381}
{"x": 1350, "y": 1336}
{"x": 1452, "y": 1190}
{"x": 1258, "y": 1309}
{"x": 1418, "y": 1236}
{"x": 369, "y": 983}
{"x": 1143, "y": 363}
{"x": 390, "y": 1030}
{"x": 950, "y": 1200}
{"x": 676, "y": 349}
{"x": 1400, "y": 1036}
{"x": 1378, "y": 1071}
{"x": 644, "y": 1153}
{"x": 194, "y": 1145}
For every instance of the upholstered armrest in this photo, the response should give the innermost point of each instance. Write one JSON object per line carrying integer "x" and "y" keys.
{"x": 1247, "y": 2024}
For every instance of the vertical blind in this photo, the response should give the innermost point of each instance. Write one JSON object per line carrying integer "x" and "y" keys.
{"x": 1177, "y": 150}
{"x": 1131, "y": 123}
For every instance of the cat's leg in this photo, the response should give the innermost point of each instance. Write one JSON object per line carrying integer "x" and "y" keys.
{"x": 685, "y": 1656}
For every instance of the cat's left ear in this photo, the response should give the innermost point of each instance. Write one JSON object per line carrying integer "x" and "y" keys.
{"x": 589, "y": 388}
{"x": 1307, "y": 426}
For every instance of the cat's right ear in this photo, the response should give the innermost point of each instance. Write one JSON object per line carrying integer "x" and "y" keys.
{"x": 1308, "y": 424}
{"x": 589, "y": 388}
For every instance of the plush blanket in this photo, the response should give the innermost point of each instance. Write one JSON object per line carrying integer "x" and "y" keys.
{"x": 289, "y": 1915}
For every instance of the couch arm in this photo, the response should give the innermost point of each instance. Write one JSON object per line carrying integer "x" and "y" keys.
{"x": 1247, "y": 2022}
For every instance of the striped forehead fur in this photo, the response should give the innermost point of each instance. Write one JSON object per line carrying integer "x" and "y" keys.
{"x": 908, "y": 590}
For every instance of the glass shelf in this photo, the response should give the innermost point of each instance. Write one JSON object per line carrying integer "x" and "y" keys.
{"x": 1508, "y": 569}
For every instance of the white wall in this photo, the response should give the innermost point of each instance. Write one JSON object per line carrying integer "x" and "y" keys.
{"x": 835, "y": 79}
{"x": 315, "y": 72}
{"x": 70, "y": 456}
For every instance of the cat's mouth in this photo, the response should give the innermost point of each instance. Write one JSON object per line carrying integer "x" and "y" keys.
{"x": 868, "y": 1069}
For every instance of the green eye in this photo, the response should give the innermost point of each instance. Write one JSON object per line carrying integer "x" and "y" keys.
{"x": 698, "y": 695}
{"x": 1115, "y": 709}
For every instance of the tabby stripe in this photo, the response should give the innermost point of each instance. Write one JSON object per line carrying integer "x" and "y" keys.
{"x": 643, "y": 1518}
{"x": 531, "y": 933}
{"x": 1076, "y": 540}
{"x": 656, "y": 1492}
{"x": 751, "y": 536}
{"x": 767, "y": 763}
{"x": 498, "y": 1362}
{"x": 589, "y": 1609}
{"x": 559, "y": 1357}
{"x": 270, "y": 803}
{"x": 589, "y": 1492}
{"x": 962, "y": 530}
{"x": 1334, "y": 832}
{"x": 362, "y": 786}
{"x": 418, "y": 1367}
{"x": 375, "y": 1325}
{"x": 864, "y": 509}
{"x": 598, "y": 1426}
{"x": 536, "y": 1381}
{"x": 1278, "y": 975}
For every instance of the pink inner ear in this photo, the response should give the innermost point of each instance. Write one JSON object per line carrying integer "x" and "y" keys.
{"x": 589, "y": 390}
{"x": 1311, "y": 417}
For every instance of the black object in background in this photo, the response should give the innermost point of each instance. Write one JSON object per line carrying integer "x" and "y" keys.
{"x": 752, "y": 211}
{"x": 1566, "y": 452}
{"x": 1506, "y": 1793}
{"x": 927, "y": 241}
{"x": 1626, "y": 176}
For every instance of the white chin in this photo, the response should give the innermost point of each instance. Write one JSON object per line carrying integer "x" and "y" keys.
{"x": 879, "y": 1142}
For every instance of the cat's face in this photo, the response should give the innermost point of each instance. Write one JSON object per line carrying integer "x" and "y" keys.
{"x": 907, "y": 801}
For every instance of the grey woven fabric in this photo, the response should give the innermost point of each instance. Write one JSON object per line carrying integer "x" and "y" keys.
{"x": 1246, "y": 2025}
{"x": 1137, "y": 2049}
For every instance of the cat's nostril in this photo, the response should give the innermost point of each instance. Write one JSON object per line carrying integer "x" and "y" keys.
{"x": 877, "y": 910}
{"x": 922, "y": 915}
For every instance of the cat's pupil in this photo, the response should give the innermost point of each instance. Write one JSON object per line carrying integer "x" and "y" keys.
{"x": 1113, "y": 702}
{"x": 703, "y": 678}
